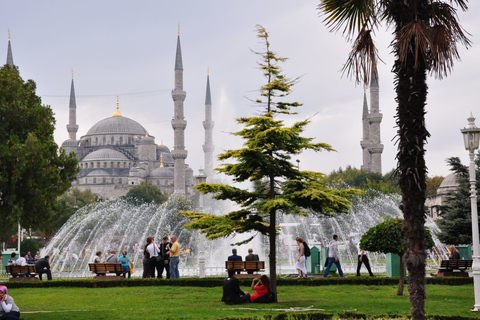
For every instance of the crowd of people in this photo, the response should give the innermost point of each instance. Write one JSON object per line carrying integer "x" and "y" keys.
{"x": 42, "y": 265}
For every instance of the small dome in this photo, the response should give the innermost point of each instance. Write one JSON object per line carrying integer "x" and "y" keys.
{"x": 105, "y": 154}
{"x": 450, "y": 181}
{"x": 163, "y": 149}
{"x": 147, "y": 140}
{"x": 188, "y": 169}
{"x": 162, "y": 172}
{"x": 116, "y": 125}
{"x": 69, "y": 144}
{"x": 98, "y": 173}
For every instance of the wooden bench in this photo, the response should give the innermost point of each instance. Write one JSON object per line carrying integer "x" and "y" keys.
{"x": 447, "y": 268}
{"x": 103, "y": 269}
{"x": 245, "y": 266}
{"x": 22, "y": 273}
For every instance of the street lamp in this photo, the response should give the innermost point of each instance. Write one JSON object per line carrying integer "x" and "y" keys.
{"x": 201, "y": 178}
{"x": 471, "y": 138}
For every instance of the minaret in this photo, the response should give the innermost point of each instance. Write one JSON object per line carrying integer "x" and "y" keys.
{"x": 365, "y": 143}
{"x": 374, "y": 119}
{"x": 72, "y": 126}
{"x": 9, "y": 52}
{"x": 208, "y": 146}
{"x": 179, "y": 124}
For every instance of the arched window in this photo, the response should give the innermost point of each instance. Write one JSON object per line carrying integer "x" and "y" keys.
{"x": 121, "y": 140}
{"x": 112, "y": 181}
{"x": 124, "y": 164}
{"x": 118, "y": 164}
{"x": 96, "y": 141}
{"x": 98, "y": 164}
{"x": 104, "y": 180}
{"x": 94, "y": 180}
{"x": 112, "y": 140}
{"x": 120, "y": 180}
{"x": 111, "y": 164}
{"x": 104, "y": 140}
{"x": 104, "y": 164}
{"x": 129, "y": 140}
{"x": 91, "y": 165}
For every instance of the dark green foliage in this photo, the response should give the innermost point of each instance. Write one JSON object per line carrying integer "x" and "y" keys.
{"x": 357, "y": 178}
{"x": 351, "y": 315}
{"x": 319, "y": 316}
{"x": 456, "y": 223}
{"x": 280, "y": 316}
{"x": 387, "y": 237}
{"x": 33, "y": 172}
{"x": 145, "y": 193}
{"x": 29, "y": 245}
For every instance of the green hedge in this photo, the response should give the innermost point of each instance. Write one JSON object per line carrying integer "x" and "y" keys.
{"x": 218, "y": 282}
{"x": 342, "y": 316}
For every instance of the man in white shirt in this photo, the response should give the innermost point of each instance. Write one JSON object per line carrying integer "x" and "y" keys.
{"x": 21, "y": 261}
{"x": 333, "y": 257}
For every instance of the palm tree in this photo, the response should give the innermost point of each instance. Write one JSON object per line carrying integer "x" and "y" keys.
{"x": 426, "y": 33}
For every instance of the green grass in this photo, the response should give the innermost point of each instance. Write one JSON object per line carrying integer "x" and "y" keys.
{"x": 171, "y": 302}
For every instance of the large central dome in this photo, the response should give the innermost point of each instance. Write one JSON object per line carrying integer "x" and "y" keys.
{"x": 117, "y": 125}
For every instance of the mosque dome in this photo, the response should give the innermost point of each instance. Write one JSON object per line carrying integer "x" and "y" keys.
{"x": 146, "y": 140}
{"x": 163, "y": 149}
{"x": 162, "y": 172}
{"x": 117, "y": 125}
{"x": 450, "y": 181}
{"x": 69, "y": 144}
{"x": 105, "y": 154}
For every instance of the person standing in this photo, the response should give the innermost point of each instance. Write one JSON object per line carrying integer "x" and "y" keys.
{"x": 174, "y": 252}
{"x": 363, "y": 258}
{"x": 43, "y": 266}
{"x": 146, "y": 259}
{"x": 154, "y": 251}
{"x": 301, "y": 265}
{"x": 333, "y": 257}
{"x": 165, "y": 262}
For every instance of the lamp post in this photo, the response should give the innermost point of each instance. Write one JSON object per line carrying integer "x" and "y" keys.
{"x": 471, "y": 138}
{"x": 201, "y": 178}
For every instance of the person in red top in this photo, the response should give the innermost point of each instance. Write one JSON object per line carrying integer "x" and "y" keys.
{"x": 261, "y": 286}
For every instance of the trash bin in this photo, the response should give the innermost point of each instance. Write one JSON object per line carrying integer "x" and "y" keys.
{"x": 313, "y": 260}
{"x": 393, "y": 265}
{"x": 317, "y": 269}
{"x": 465, "y": 251}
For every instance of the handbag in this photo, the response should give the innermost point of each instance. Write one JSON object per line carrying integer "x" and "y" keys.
{"x": 131, "y": 270}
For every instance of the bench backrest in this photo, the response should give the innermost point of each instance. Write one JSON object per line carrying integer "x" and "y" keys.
{"x": 456, "y": 264}
{"x": 254, "y": 265}
{"x": 105, "y": 267}
{"x": 20, "y": 269}
{"x": 235, "y": 265}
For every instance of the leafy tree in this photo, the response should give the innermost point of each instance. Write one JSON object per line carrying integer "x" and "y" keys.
{"x": 67, "y": 205}
{"x": 387, "y": 237}
{"x": 145, "y": 193}
{"x": 432, "y": 185}
{"x": 455, "y": 220}
{"x": 33, "y": 172}
{"x": 29, "y": 245}
{"x": 266, "y": 156}
{"x": 426, "y": 33}
{"x": 358, "y": 178}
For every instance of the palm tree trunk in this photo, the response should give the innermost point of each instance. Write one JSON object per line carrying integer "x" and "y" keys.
{"x": 401, "y": 276}
{"x": 411, "y": 95}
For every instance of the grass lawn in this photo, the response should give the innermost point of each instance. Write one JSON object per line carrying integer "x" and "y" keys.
{"x": 170, "y": 302}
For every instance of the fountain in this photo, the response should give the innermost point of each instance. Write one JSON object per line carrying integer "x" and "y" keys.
{"x": 120, "y": 225}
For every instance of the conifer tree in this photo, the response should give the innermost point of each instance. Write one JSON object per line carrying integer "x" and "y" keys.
{"x": 266, "y": 157}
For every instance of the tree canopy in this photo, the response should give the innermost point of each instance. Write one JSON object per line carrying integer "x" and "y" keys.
{"x": 357, "y": 178}
{"x": 266, "y": 156}
{"x": 455, "y": 220}
{"x": 33, "y": 171}
{"x": 145, "y": 193}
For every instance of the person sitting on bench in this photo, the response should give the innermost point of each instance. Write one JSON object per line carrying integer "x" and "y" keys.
{"x": 453, "y": 255}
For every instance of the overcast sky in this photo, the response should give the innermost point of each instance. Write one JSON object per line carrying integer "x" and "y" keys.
{"x": 127, "y": 48}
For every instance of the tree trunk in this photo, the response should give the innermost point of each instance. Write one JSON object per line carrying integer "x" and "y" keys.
{"x": 411, "y": 88}
{"x": 272, "y": 255}
{"x": 411, "y": 95}
{"x": 401, "y": 276}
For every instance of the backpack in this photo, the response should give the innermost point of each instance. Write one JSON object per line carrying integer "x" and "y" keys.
{"x": 306, "y": 249}
{"x": 124, "y": 260}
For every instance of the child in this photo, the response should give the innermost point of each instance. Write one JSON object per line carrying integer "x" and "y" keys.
{"x": 8, "y": 308}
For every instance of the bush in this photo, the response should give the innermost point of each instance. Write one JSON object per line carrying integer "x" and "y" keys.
{"x": 29, "y": 245}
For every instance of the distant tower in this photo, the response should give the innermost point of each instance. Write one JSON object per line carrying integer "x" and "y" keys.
{"x": 179, "y": 154}
{"x": 371, "y": 144}
{"x": 9, "y": 52}
{"x": 208, "y": 146}
{"x": 72, "y": 126}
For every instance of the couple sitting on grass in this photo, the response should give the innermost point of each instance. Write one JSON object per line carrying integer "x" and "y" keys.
{"x": 233, "y": 295}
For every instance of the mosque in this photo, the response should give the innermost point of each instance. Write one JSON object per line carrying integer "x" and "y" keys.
{"x": 117, "y": 153}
